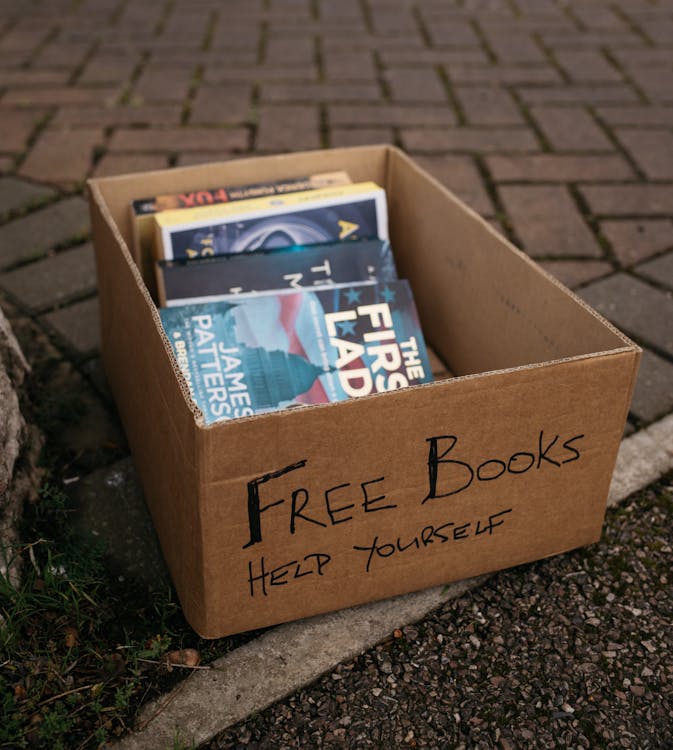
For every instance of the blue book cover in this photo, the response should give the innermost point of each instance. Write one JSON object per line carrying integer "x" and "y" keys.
{"x": 184, "y": 281}
{"x": 260, "y": 353}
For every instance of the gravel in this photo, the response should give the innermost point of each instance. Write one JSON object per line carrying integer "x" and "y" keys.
{"x": 574, "y": 651}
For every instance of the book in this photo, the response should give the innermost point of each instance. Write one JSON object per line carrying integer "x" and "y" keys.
{"x": 143, "y": 209}
{"x": 348, "y": 212}
{"x": 182, "y": 282}
{"x": 260, "y": 353}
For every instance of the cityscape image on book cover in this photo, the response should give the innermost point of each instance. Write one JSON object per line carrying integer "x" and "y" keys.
{"x": 261, "y": 353}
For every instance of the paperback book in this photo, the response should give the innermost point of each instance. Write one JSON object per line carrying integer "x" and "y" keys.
{"x": 260, "y": 353}
{"x": 349, "y": 212}
{"x": 181, "y": 282}
{"x": 143, "y": 209}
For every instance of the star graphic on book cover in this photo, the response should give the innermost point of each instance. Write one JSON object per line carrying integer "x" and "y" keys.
{"x": 352, "y": 296}
{"x": 347, "y": 327}
{"x": 388, "y": 294}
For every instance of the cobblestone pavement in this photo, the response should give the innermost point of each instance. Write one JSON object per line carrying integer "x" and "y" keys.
{"x": 551, "y": 118}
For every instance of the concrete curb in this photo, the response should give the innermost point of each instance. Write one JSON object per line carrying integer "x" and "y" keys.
{"x": 284, "y": 659}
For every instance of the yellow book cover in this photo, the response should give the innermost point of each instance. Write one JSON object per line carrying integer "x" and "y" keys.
{"x": 348, "y": 212}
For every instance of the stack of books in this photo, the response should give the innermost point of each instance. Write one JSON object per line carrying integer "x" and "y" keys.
{"x": 282, "y": 294}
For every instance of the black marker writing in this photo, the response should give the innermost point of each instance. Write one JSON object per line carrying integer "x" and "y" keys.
{"x": 449, "y": 476}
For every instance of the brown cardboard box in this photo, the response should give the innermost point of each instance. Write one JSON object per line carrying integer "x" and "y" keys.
{"x": 280, "y": 516}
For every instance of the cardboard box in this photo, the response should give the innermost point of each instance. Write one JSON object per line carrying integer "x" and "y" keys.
{"x": 285, "y": 515}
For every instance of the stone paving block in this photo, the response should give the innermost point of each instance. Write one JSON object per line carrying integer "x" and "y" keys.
{"x": 591, "y": 40}
{"x": 202, "y": 157}
{"x": 510, "y": 45}
{"x": 23, "y": 39}
{"x": 578, "y": 94}
{"x": 114, "y": 164}
{"x": 19, "y": 195}
{"x": 109, "y": 505}
{"x": 68, "y": 56}
{"x": 653, "y": 395}
{"x": 636, "y": 115}
{"x": 229, "y": 104}
{"x": 6, "y": 164}
{"x": 460, "y": 72}
{"x": 645, "y": 57}
{"x": 654, "y": 83}
{"x": 349, "y": 66}
{"x": 109, "y": 68}
{"x": 33, "y": 235}
{"x": 63, "y": 157}
{"x": 392, "y": 20}
{"x": 179, "y": 139}
{"x": 597, "y": 18}
{"x": 659, "y": 270}
{"x": 58, "y": 95}
{"x": 570, "y": 129}
{"x": 130, "y": 114}
{"x": 221, "y": 54}
{"x": 415, "y": 85}
{"x": 574, "y": 273}
{"x": 53, "y": 280}
{"x": 165, "y": 84}
{"x": 584, "y": 66}
{"x": 319, "y": 92}
{"x": 633, "y": 241}
{"x": 636, "y": 307}
{"x": 452, "y": 33}
{"x": 624, "y": 200}
{"x": 415, "y": 56}
{"x": 652, "y": 150}
{"x": 480, "y": 140}
{"x": 217, "y": 73}
{"x": 78, "y": 324}
{"x": 558, "y": 168}
{"x": 33, "y": 78}
{"x": 292, "y": 52}
{"x": 460, "y": 175}
{"x": 389, "y": 114}
{"x": 341, "y": 137}
{"x": 488, "y": 105}
{"x": 16, "y": 127}
{"x": 288, "y": 128}
{"x": 548, "y": 222}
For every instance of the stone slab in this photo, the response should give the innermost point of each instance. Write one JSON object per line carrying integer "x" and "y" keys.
{"x": 31, "y": 236}
{"x": 110, "y": 507}
{"x": 653, "y": 395}
{"x": 636, "y": 307}
{"x": 659, "y": 270}
{"x": 20, "y": 195}
{"x": 78, "y": 324}
{"x": 53, "y": 280}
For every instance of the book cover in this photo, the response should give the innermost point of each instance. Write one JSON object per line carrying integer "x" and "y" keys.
{"x": 261, "y": 353}
{"x": 183, "y": 282}
{"x": 143, "y": 209}
{"x": 310, "y": 217}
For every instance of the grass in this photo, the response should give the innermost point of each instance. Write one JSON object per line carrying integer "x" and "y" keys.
{"x": 81, "y": 650}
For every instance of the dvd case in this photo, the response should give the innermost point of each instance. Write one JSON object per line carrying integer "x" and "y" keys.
{"x": 181, "y": 282}
{"x": 261, "y": 353}
{"x": 349, "y": 212}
